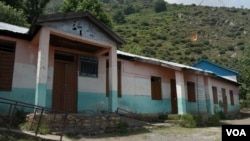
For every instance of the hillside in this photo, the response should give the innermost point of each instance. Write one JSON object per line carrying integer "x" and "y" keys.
{"x": 222, "y": 32}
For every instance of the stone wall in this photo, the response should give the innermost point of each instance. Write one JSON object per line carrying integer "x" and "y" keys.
{"x": 80, "y": 123}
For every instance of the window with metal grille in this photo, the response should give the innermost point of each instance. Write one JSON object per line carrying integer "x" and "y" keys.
{"x": 191, "y": 91}
{"x": 7, "y": 56}
{"x": 215, "y": 94}
{"x": 231, "y": 97}
{"x": 156, "y": 92}
{"x": 88, "y": 66}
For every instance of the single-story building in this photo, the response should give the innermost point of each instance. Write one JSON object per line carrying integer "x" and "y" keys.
{"x": 71, "y": 62}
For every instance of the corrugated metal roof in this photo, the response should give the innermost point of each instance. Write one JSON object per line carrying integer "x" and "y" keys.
{"x": 162, "y": 62}
{"x": 13, "y": 28}
{"x": 170, "y": 64}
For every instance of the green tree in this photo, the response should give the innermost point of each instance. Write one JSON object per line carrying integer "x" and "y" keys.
{"x": 119, "y": 17}
{"x": 129, "y": 9}
{"x": 159, "y": 6}
{"x": 12, "y": 15}
{"x": 18, "y": 4}
{"x": 245, "y": 75}
{"x": 33, "y": 8}
{"x": 92, "y": 6}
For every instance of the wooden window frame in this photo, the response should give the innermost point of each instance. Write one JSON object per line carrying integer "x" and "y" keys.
{"x": 191, "y": 91}
{"x": 156, "y": 90}
{"x": 215, "y": 94}
{"x": 88, "y": 66}
{"x": 7, "y": 51}
{"x": 231, "y": 97}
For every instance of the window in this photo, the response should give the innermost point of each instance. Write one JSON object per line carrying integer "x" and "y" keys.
{"x": 156, "y": 88}
{"x": 119, "y": 79}
{"x": 7, "y": 56}
{"x": 215, "y": 94}
{"x": 231, "y": 97}
{"x": 191, "y": 91}
{"x": 88, "y": 66}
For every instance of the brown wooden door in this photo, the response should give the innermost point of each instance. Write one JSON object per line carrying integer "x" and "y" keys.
{"x": 173, "y": 97}
{"x": 224, "y": 100}
{"x": 65, "y": 83}
{"x": 6, "y": 69}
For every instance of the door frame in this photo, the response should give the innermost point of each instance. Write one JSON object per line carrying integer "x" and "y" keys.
{"x": 74, "y": 62}
{"x": 173, "y": 93}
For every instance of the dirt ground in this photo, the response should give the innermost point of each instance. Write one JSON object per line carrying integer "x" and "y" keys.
{"x": 168, "y": 134}
{"x": 175, "y": 133}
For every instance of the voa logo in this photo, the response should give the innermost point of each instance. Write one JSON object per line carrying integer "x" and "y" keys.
{"x": 236, "y": 132}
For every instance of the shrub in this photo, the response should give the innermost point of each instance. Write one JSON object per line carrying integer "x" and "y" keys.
{"x": 160, "y": 6}
{"x": 199, "y": 119}
{"x": 204, "y": 56}
{"x": 187, "y": 52}
{"x": 123, "y": 128}
{"x": 213, "y": 120}
{"x": 231, "y": 48}
{"x": 188, "y": 121}
{"x": 136, "y": 40}
{"x": 19, "y": 118}
{"x": 44, "y": 127}
{"x": 222, "y": 51}
{"x": 221, "y": 115}
{"x": 145, "y": 23}
{"x": 174, "y": 117}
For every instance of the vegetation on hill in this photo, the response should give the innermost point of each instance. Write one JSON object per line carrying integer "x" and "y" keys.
{"x": 222, "y": 33}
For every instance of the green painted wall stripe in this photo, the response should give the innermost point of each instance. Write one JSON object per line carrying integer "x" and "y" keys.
{"x": 113, "y": 101}
{"x": 144, "y": 104}
{"x": 17, "y": 94}
{"x": 40, "y": 95}
{"x": 92, "y": 102}
{"x": 98, "y": 102}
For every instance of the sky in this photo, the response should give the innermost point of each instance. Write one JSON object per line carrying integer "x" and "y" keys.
{"x": 216, "y": 3}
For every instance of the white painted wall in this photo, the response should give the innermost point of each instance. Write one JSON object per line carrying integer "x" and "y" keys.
{"x": 24, "y": 75}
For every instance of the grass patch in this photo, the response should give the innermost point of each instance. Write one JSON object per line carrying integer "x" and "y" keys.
{"x": 43, "y": 129}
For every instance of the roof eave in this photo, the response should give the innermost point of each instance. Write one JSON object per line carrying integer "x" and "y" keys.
{"x": 24, "y": 36}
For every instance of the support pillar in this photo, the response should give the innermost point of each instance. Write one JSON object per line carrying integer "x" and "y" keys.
{"x": 209, "y": 93}
{"x": 113, "y": 98}
{"x": 180, "y": 91}
{"x": 42, "y": 68}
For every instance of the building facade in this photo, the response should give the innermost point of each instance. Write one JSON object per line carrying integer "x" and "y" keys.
{"x": 71, "y": 62}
